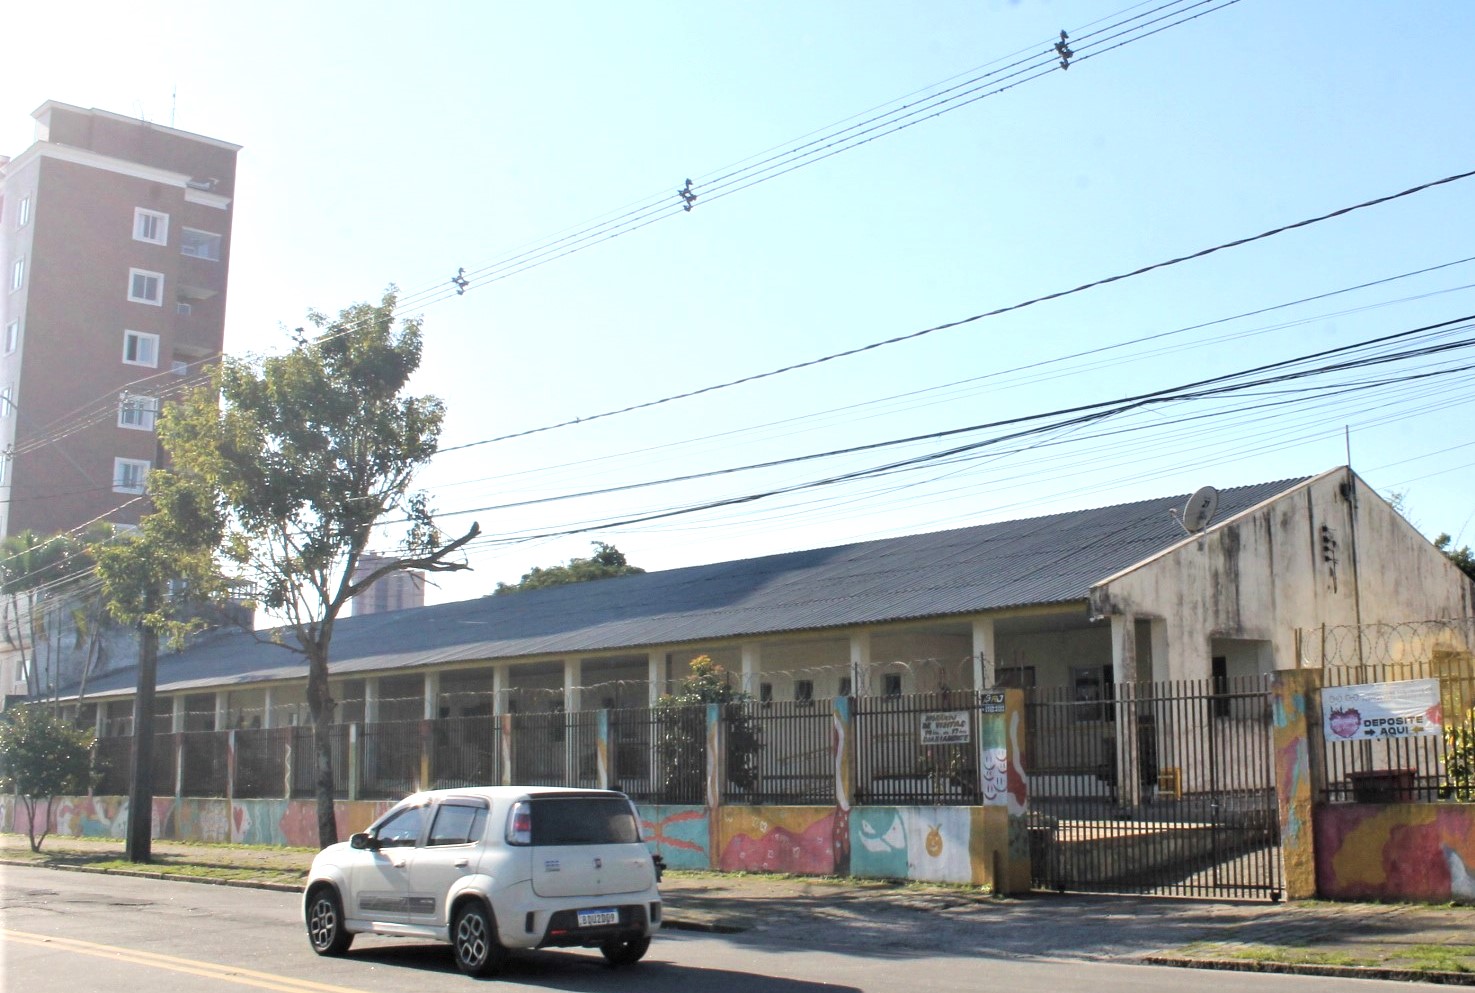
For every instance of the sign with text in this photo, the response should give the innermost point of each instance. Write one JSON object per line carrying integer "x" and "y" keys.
{"x": 1382, "y": 710}
{"x": 948, "y": 727}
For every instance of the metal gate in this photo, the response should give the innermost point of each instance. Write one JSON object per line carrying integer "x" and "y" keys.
{"x": 1154, "y": 788}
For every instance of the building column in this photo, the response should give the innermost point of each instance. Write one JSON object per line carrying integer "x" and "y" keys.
{"x": 222, "y": 711}
{"x": 860, "y": 663}
{"x": 176, "y": 717}
{"x": 572, "y": 669}
{"x": 431, "y": 693}
{"x": 655, "y": 675}
{"x": 266, "y": 709}
{"x": 985, "y": 656}
{"x": 371, "y": 700}
{"x": 752, "y": 655}
{"x": 1124, "y": 675}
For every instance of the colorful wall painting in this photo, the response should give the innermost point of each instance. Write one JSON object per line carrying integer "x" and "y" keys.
{"x": 678, "y": 834}
{"x": 878, "y": 843}
{"x": 777, "y": 839}
{"x": 1289, "y": 710}
{"x": 1410, "y": 851}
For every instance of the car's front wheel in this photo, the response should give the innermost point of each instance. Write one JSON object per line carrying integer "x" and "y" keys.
{"x": 474, "y": 937}
{"x": 325, "y": 928}
{"x": 625, "y": 951}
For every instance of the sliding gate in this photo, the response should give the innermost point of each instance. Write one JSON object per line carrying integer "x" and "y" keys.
{"x": 1154, "y": 788}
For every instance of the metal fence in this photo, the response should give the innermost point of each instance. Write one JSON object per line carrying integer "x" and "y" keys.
{"x": 1423, "y": 768}
{"x": 778, "y": 753}
{"x": 918, "y": 749}
{"x": 1162, "y": 788}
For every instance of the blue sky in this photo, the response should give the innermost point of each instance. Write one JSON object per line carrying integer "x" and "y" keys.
{"x": 388, "y": 145}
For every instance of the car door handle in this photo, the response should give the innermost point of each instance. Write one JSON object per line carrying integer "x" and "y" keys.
{"x": 398, "y": 863}
{"x": 462, "y": 863}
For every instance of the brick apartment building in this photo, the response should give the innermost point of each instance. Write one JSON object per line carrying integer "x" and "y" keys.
{"x": 114, "y": 250}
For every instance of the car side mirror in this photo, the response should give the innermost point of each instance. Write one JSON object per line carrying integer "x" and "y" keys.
{"x": 363, "y": 841}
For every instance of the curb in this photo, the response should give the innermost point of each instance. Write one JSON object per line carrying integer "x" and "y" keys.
{"x": 1314, "y": 969}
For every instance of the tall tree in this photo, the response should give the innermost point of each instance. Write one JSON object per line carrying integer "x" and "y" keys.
{"x": 303, "y": 455}
{"x": 606, "y": 562}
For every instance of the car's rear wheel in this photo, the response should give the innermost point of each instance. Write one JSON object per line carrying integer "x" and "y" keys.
{"x": 625, "y": 951}
{"x": 325, "y": 928}
{"x": 474, "y": 937}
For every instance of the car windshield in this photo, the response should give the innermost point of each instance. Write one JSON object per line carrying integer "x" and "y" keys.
{"x": 583, "y": 820}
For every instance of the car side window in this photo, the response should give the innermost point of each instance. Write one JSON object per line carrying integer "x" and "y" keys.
{"x": 401, "y": 829}
{"x": 458, "y": 824}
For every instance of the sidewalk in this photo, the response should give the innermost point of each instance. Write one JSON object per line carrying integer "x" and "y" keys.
{"x": 1404, "y": 942}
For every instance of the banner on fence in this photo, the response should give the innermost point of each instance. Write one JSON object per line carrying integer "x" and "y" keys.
{"x": 1382, "y": 710}
{"x": 949, "y": 727}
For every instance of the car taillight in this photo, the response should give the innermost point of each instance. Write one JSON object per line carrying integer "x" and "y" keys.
{"x": 520, "y": 824}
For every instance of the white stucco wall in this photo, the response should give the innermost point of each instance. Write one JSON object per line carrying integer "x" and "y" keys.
{"x": 1328, "y": 552}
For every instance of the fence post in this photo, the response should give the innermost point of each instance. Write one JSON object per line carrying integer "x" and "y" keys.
{"x": 427, "y": 745}
{"x": 603, "y": 750}
{"x": 355, "y": 773}
{"x": 230, "y": 770}
{"x": 504, "y": 735}
{"x": 842, "y": 740}
{"x": 1299, "y": 772}
{"x": 289, "y": 740}
{"x": 1001, "y": 849}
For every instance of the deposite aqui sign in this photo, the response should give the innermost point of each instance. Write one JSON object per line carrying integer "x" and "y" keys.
{"x": 1382, "y": 710}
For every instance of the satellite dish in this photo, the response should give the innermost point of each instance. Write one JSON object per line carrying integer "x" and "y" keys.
{"x": 1199, "y": 509}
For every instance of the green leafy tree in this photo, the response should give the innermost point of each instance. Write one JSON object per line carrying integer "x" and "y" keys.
{"x": 1462, "y": 557}
{"x": 606, "y": 562}
{"x": 300, "y": 457}
{"x": 42, "y": 757}
{"x": 1459, "y": 761}
{"x": 682, "y": 738}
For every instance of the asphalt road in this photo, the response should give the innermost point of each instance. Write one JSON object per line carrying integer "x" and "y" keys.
{"x": 77, "y": 933}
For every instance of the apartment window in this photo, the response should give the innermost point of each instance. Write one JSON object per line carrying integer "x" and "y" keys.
{"x": 138, "y": 412}
{"x": 23, "y": 212}
{"x": 140, "y": 348}
{"x": 183, "y": 307}
{"x": 7, "y": 401}
{"x": 5, "y": 469}
{"x": 146, "y": 287}
{"x": 129, "y": 475}
{"x": 18, "y": 273}
{"x": 150, "y": 226}
{"x": 179, "y": 368}
{"x": 844, "y": 686}
{"x": 891, "y": 684}
{"x": 12, "y": 336}
{"x": 199, "y": 244}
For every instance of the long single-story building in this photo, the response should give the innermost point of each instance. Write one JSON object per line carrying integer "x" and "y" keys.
{"x": 1081, "y": 600}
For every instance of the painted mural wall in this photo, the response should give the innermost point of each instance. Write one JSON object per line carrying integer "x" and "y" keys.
{"x": 1404, "y": 851}
{"x": 246, "y": 822}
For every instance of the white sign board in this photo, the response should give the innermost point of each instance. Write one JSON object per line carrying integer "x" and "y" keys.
{"x": 948, "y": 727}
{"x": 1382, "y": 710}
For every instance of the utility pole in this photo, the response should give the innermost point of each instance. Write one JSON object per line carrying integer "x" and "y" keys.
{"x": 139, "y": 846}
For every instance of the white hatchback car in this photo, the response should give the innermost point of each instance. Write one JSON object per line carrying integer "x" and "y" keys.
{"x": 490, "y": 869}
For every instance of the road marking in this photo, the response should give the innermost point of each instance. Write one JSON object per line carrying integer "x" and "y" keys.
{"x": 193, "y": 967}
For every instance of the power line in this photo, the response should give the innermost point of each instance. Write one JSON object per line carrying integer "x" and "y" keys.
{"x": 996, "y": 312}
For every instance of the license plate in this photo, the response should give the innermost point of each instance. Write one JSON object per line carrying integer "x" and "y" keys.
{"x": 594, "y": 918}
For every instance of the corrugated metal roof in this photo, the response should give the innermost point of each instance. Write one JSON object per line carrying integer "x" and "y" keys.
{"x": 1036, "y": 561}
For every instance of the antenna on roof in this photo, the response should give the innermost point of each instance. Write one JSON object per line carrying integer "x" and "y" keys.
{"x": 1198, "y": 511}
